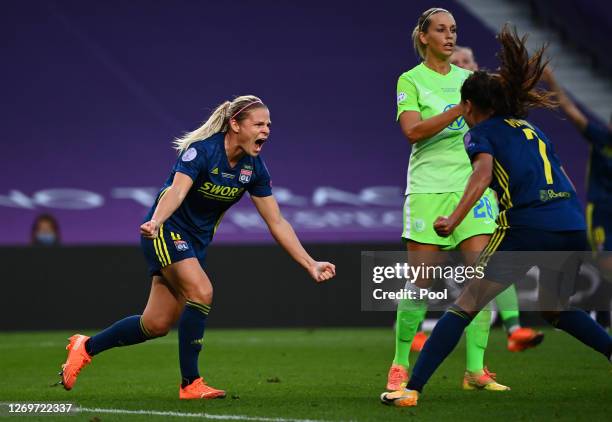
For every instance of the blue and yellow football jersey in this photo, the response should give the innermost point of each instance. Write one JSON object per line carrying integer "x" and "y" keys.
{"x": 599, "y": 186}
{"x": 216, "y": 186}
{"x": 600, "y": 164}
{"x": 533, "y": 190}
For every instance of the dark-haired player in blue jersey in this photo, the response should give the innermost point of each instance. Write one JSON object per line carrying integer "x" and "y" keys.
{"x": 540, "y": 208}
{"x": 599, "y": 187}
{"x": 218, "y": 163}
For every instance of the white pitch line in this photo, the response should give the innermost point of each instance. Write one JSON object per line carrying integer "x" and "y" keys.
{"x": 191, "y": 415}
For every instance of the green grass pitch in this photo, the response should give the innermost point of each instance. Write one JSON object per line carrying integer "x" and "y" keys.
{"x": 322, "y": 374}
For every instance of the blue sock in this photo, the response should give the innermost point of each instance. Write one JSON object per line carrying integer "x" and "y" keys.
{"x": 191, "y": 336}
{"x": 579, "y": 324}
{"x": 441, "y": 342}
{"x": 122, "y": 333}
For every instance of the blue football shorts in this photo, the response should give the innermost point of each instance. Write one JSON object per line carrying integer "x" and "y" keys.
{"x": 172, "y": 244}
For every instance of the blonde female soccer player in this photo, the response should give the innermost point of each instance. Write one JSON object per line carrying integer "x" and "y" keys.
{"x": 218, "y": 163}
{"x": 430, "y": 117}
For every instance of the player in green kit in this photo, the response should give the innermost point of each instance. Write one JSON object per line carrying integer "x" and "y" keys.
{"x": 430, "y": 116}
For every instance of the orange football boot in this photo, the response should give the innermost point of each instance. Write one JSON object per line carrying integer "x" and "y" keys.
{"x": 523, "y": 339}
{"x": 400, "y": 398}
{"x": 77, "y": 359}
{"x": 199, "y": 390}
{"x": 484, "y": 381}
{"x": 397, "y": 378}
{"x": 418, "y": 342}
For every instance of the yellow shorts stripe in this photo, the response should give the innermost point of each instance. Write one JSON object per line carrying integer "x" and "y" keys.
{"x": 494, "y": 243}
{"x": 502, "y": 235}
{"x": 502, "y": 219}
{"x": 163, "y": 242}
{"x": 158, "y": 252}
{"x": 491, "y": 241}
{"x": 491, "y": 245}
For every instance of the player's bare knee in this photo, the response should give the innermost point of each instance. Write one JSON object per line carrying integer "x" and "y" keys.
{"x": 157, "y": 327}
{"x": 200, "y": 294}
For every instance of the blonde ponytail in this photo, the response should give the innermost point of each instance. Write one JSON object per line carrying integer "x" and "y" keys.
{"x": 419, "y": 47}
{"x": 219, "y": 120}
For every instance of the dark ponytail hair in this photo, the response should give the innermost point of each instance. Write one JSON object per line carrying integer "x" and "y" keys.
{"x": 512, "y": 91}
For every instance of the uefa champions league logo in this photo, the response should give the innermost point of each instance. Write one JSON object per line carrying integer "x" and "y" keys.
{"x": 457, "y": 124}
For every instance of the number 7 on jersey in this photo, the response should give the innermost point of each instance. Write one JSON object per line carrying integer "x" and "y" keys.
{"x": 530, "y": 134}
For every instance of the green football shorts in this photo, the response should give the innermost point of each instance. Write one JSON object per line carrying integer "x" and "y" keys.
{"x": 422, "y": 209}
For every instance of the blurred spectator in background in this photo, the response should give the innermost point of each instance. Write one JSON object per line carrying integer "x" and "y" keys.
{"x": 464, "y": 58}
{"x": 45, "y": 231}
{"x": 599, "y": 185}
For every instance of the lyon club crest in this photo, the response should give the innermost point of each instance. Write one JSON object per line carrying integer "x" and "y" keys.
{"x": 181, "y": 245}
{"x": 245, "y": 175}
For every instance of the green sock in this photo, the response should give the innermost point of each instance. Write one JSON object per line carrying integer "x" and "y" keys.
{"x": 507, "y": 303}
{"x": 476, "y": 338}
{"x": 410, "y": 313}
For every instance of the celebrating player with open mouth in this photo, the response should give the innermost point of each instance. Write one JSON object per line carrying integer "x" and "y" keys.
{"x": 218, "y": 163}
{"x": 541, "y": 211}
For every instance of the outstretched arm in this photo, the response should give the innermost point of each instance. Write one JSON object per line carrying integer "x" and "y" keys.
{"x": 282, "y": 231}
{"x": 566, "y": 104}
{"x": 479, "y": 181}
{"x": 169, "y": 202}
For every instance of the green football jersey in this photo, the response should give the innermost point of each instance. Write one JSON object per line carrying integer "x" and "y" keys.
{"x": 438, "y": 164}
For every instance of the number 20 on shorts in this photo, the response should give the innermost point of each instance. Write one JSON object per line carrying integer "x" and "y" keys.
{"x": 478, "y": 209}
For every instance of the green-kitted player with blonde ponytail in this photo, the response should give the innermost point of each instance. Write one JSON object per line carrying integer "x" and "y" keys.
{"x": 430, "y": 116}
